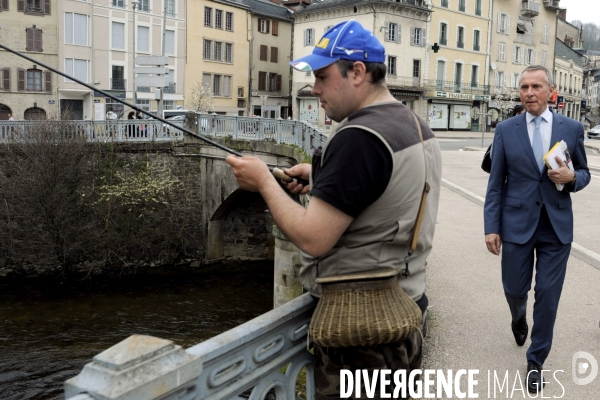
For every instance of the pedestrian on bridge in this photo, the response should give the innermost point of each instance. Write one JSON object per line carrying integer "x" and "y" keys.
{"x": 365, "y": 187}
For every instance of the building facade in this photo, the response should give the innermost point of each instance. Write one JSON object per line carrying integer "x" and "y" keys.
{"x": 218, "y": 49}
{"x": 568, "y": 80}
{"x": 27, "y": 90}
{"x": 457, "y": 79}
{"x": 401, "y": 27}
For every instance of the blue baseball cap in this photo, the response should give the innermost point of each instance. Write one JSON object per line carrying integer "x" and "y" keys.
{"x": 347, "y": 40}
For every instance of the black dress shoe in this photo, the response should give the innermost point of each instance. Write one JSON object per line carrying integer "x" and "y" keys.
{"x": 534, "y": 378}
{"x": 520, "y": 330}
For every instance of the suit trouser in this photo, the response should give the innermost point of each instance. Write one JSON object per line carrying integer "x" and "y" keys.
{"x": 517, "y": 271}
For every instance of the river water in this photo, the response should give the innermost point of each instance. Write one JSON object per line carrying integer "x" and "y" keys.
{"x": 49, "y": 329}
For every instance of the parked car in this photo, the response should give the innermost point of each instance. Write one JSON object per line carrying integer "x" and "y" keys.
{"x": 594, "y": 133}
{"x": 178, "y": 120}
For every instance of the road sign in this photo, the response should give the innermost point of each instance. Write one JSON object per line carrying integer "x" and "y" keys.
{"x": 155, "y": 80}
{"x": 152, "y": 60}
{"x": 151, "y": 70}
{"x": 561, "y": 104}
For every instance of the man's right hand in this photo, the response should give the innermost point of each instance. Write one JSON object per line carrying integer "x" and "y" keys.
{"x": 300, "y": 171}
{"x": 493, "y": 243}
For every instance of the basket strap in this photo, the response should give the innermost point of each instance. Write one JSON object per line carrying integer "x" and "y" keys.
{"x": 415, "y": 235}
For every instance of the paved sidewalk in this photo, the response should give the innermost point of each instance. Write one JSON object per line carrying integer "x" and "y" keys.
{"x": 469, "y": 317}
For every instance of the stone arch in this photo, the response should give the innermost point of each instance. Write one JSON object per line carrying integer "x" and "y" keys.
{"x": 34, "y": 114}
{"x": 240, "y": 227}
{"x": 4, "y": 111}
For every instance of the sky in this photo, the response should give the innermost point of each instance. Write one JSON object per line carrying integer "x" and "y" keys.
{"x": 583, "y": 10}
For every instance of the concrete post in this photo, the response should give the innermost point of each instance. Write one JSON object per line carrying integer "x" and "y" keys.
{"x": 214, "y": 246}
{"x": 287, "y": 269}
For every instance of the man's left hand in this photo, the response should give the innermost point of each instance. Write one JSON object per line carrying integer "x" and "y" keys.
{"x": 250, "y": 172}
{"x": 561, "y": 175}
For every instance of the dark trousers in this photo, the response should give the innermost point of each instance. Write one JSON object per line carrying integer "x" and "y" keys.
{"x": 550, "y": 266}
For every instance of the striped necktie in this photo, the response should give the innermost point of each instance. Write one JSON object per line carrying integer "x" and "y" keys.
{"x": 537, "y": 145}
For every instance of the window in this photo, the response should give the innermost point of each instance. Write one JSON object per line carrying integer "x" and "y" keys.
{"x": 118, "y": 35}
{"x": 3, "y": 7}
{"x": 545, "y": 33}
{"x": 168, "y": 104}
{"x": 474, "y": 75}
{"x": 262, "y": 80}
{"x": 501, "y": 51}
{"x": 34, "y": 80}
{"x": 218, "y": 19}
{"x": 263, "y": 25}
{"x": 208, "y": 16}
{"x": 517, "y": 54}
{"x": 206, "y": 81}
{"x": 461, "y": 5}
{"x": 117, "y": 82}
{"x": 143, "y": 104}
{"x": 76, "y": 29}
{"x": 217, "y": 85}
{"x": 29, "y": 80}
{"x": 229, "y": 21}
{"x": 207, "y": 52}
{"x": 264, "y": 49}
{"x": 392, "y": 34}
{"x": 34, "y": 39}
{"x": 503, "y": 23}
{"x": 391, "y": 68}
{"x": 143, "y": 39}
{"x": 118, "y": 3}
{"x": 309, "y": 37}
{"x": 416, "y": 68}
{"x": 544, "y": 58}
{"x": 218, "y": 51}
{"x": 530, "y": 59}
{"x": 477, "y": 7}
{"x": 228, "y": 52}
{"x": 275, "y": 26}
{"x": 274, "y": 82}
{"x": 460, "y": 37}
{"x": 515, "y": 81}
{"x": 443, "y": 34}
{"x": 169, "y": 42}
{"x": 417, "y": 37}
{"x": 78, "y": 69}
{"x": 227, "y": 86}
{"x": 500, "y": 79}
{"x": 170, "y": 8}
{"x": 476, "y": 36}
{"x": 5, "y": 76}
{"x": 144, "y": 5}
{"x": 240, "y": 91}
{"x": 444, "y": 3}
{"x": 274, "y": 53}
{"x": 31, "y": 6}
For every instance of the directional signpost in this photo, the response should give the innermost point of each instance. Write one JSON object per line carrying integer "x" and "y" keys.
{"x": 152, "y": 72}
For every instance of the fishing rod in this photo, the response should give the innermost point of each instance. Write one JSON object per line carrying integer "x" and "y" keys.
{"x": 278, "y": 173}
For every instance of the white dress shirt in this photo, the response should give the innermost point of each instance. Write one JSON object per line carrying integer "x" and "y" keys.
{"x": 545, "y": 128}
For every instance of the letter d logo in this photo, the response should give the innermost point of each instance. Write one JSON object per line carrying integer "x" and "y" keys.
{"x": 581, "y": 367}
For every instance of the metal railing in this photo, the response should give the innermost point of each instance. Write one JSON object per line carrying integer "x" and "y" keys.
{"x": 143, "y": 89}
{"x": 460, "y": 45}
{"x": 461, "y": 7}
{"x": 172, "y": 88}
{"x": 244, "y": 361}
{"x": 443, "y": 41}
{"x": 476, "y": 47}
{"x": 290, "y": 132}
{"x": 118, "y": 84}
{"x": 403, "y": 81}
{"x": 478, "y": 11}
{"x": 458, "y": 87}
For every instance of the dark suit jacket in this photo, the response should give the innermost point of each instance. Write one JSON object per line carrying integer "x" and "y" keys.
{"x": 516, "y": 189}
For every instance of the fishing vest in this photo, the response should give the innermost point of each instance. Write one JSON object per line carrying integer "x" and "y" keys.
{"x": 379, "y": 237}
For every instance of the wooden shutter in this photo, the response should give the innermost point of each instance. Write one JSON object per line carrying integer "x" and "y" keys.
{"x": 278, "y": 83}
{"x": 6, "y": 79}
{"x": 275, "y": 28}
{"x": 48, "y": 81}
{"x": 262, "y": 80}
{"x": 263, "y": 52}
{"x": 21, "y": 5}
{"x": 29, "y": 43}
{"x": 37, "y": 39}
{"x": 268, "y": 25}
{"x": 274, "y": 52}
{"x": 46, "y": 6}
{"x": 20, "y": 79}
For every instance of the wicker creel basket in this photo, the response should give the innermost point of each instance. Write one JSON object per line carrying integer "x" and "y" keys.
{"x": 363, "y": 310}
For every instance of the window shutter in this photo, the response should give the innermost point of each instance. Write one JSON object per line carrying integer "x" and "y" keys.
{"x": 260, "y": 24}
{"x": 263, "y": 52}
{"x": 399, "y": 33}
{"x": 37, "y": 40}
{"x": 499, "y": 23}
{"x": 521, "y": 55}
{"x": 533, "y": 59}
{"x": 514, "y": 54}
{"x": 6, "y": 78}
{"x": 21, "y": 5}
{"x": 46, "y": 6}
{"x": 275, "y": 28}
{"x": 29, "y": 39}
{"x": 278, "y": 83}
{"x": 306, "y": 37}
{"x": 262, "y": 78}
{"x": 412, "y": 35}
{"x": 386, "y": 34}
{"x": 508, "y": 24}
{"x": 20, "y": 79}
{"x": 48, "y": 80}
{"x": 268, "y": 25}
{"x": 422, "y": 37}
{"x": 274, "y": 52}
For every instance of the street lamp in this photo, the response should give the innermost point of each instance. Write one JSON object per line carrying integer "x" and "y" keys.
{"x": 135, "y": 5}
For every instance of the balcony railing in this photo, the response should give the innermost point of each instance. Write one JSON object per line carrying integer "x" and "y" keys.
{"x": 457, "y": 87}
{"x": 530, "y": 8}
{"x": 478, "y": 11}
{"x": 34, "y": 8}
{"x": 143, "y": 89}
{"x": 476, "y": 47}
{"x": 443, "y": 41}
{"x": 403, "y": 81}
{"x": 118, "y": 84}
{"x": 172, "y": 88}
{"x": 119, "y": 3}
{"x": 460, "y": 45}
{"x": 461, "y": 7}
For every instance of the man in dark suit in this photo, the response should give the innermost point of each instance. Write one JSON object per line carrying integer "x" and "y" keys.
{"x": 525, "y": 214}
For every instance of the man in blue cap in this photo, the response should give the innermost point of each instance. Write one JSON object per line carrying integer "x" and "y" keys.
{"x": 366, "y": 186}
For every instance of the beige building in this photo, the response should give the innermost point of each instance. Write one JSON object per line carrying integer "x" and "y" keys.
{"x": 96, "y": 46}
{"x": 568, "y": 79}
{"x": 523, "y": 34}
{"x": 28, "y": 91}
{"x": 401, "y": 26}
{"x": 457, "y": 78}
{"x": 218, "y": 47}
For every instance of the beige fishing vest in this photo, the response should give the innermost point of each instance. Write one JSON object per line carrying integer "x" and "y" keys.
{"x": 379, "y": 237}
